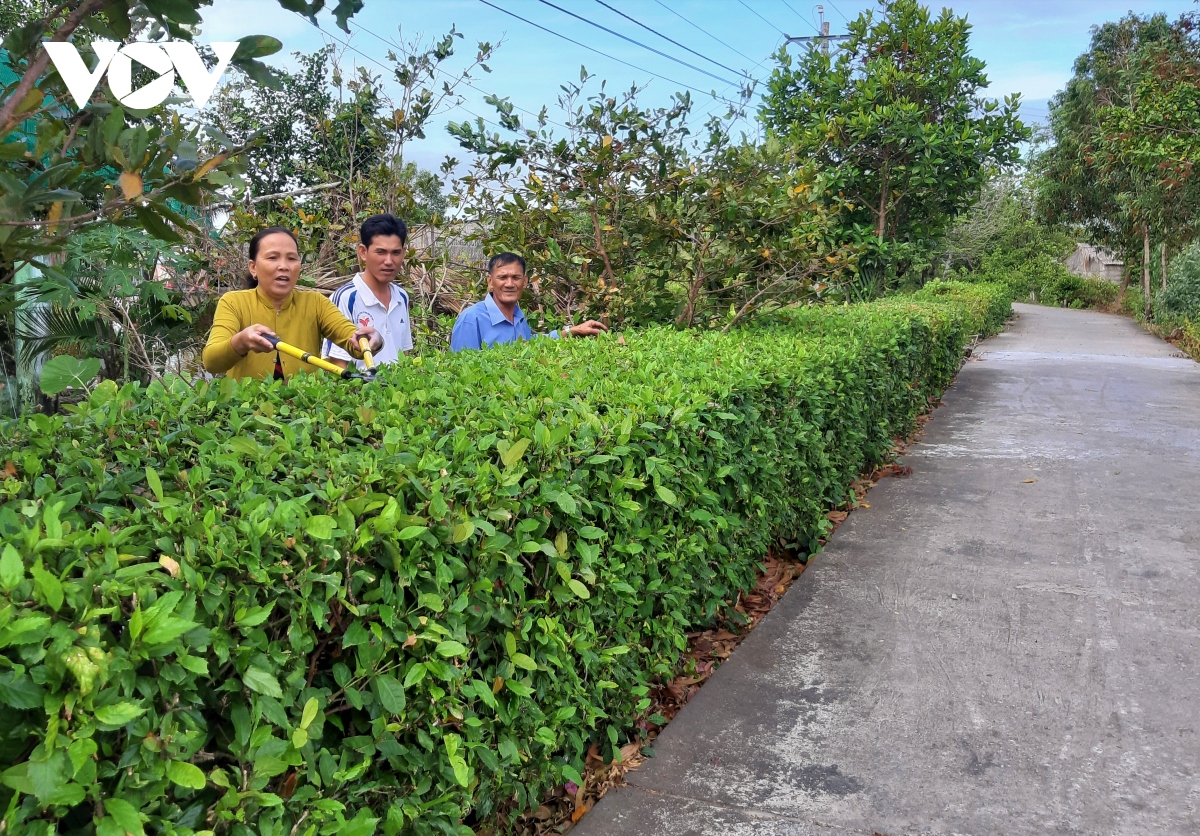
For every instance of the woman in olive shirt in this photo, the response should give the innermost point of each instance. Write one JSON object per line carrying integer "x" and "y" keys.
{"x": 274, "y": 306}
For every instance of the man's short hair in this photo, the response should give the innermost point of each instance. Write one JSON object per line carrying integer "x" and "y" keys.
{"x": 386, "y": 224}
{"x": 500, "y": 259}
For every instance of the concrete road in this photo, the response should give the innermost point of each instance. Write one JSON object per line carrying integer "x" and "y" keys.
{"x": 1006, "y": 642}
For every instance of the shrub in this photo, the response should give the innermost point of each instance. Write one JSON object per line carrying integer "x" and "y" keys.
{"x": 1181, "y": 299}
{"x": 1189, "y": 337}
{"x": 329, "y": 607}
{"x": 1043, "y": 279}
{"x": 1071, "y": 291}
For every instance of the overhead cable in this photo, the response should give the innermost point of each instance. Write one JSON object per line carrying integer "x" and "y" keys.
{"x": 350, "y": 47}
{"x": 708, "y": 111}
{"x": 839, "y": 11}
{"x": 635, "y": 42}
{"x": 598, "y": 52}
{"x": 672, "y": 40}
{"x": 392, "y": 43}
{"x": 763, "y": 19}
{"x": 702, "y": 29}
{"x": 807, "y": 20}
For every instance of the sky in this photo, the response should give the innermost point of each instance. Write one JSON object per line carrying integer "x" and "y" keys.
{"x": 1029, "y": 46}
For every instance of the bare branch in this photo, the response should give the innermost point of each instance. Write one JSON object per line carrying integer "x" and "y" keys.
{"x": 9, "y": 117}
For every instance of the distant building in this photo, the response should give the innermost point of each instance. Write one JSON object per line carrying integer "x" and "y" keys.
{"x": 1088, "y": 260}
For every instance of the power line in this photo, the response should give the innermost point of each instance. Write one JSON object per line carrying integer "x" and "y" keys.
{"x": 350, "y": 47}
{"x": 701, "y": 29}
{"x": 807, "y": 20}
{"x": 635, "y": 43}
{"x": 593, "y": 49}
{"x": 763, "y": 19}
{"x": 392, "y": 43}
{"x": 839, "y": 11}
{"x": 708, "y": 111}
{"x": 672, "y": 40}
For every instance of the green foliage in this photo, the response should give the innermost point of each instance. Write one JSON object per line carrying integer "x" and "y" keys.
{"x": 323, "y": 125}
{"x": 429, "y": 204}
{"x": 1043, "y": 279}
{"x": 1151, "y": 132}
{"x": 1122, "y": 166}
{"x": 629, "y": 218}
{"x": 1002, "y": 227}
{"x": 1189, "y": 337}
{"x": 1181, "y": 299}
{"x": 1078, "y": 185}
{"x": 63, "y": 169}
{"x": 1068, "y": 290}
{"x": 1001, "y": 241}
{"x": 894, "y": 123}
{"x": 108, "y": 300}
{"x": 299, "y": 125}
{"x": 338, "y": 130}
{"x": 376, "y": 607}
{"x": 63, "y": 372}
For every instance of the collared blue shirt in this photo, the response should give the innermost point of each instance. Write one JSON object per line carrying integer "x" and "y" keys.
{"x": 485, "y": 324}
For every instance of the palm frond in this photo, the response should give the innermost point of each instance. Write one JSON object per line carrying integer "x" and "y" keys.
{"x": 47, "y": 328}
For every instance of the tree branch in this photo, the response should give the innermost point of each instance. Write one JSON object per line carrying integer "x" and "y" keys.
{"x": 116, "y": 204}
{"x": 277, "y": 195}
{"x": 9, "y": 118}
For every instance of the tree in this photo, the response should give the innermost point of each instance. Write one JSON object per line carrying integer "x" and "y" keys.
{"x": 627, "y": 218}
{"x": 1153, "y": 135}
{"x": 1002, "y": 228}
{"x": 63, "y": 170}
{"x": 119, "y": 300}
{"x": 895, "y": 124}
{"x": 331, "y": 152}
{"x": 328, "y": 124}
{"x": 284, "y": 118}
{"x": 1086, "y": 179}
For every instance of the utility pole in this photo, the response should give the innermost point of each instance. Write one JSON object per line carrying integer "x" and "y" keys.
{"x": 824, "y": 38}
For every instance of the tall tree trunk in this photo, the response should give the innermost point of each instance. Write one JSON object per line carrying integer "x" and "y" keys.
{"x": 883, "y": 195}
{"x": 884, "y": 184}
{"x": 1164, "y": 265}
{"x": 608, "y": 270}
{"x": 1146, "y": 266}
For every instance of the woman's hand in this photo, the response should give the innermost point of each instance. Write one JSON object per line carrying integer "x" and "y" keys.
{"x": 252, "y": 339}
{"x": 373, "y": 337}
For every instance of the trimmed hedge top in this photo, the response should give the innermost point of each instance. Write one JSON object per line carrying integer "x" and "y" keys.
{"x": 335, "y": 607}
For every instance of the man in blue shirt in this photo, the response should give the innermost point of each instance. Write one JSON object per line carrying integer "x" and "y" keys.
{"x": 498, "y": 318}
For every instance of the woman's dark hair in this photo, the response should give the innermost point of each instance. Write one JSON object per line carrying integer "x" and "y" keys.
{"x": 500, "y": 259}
{"x": 252, "y": 282}
{"x": 382, "y": 225}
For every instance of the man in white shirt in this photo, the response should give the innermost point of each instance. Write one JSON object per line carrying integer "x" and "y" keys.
{"x": 372, "y": 297}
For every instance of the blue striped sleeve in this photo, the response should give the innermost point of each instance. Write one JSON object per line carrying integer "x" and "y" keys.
{"x": 339, "y": 296}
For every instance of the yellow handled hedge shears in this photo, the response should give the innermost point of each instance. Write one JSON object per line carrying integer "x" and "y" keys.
{"x": 348, "y": 373}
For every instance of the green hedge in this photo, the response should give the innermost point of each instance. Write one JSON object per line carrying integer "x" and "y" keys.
{"x": 329, "y": 607}
{"x": 1045, "y": 280}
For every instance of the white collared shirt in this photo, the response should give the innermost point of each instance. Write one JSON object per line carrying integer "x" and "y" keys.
{"x": 358, "y": 303}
